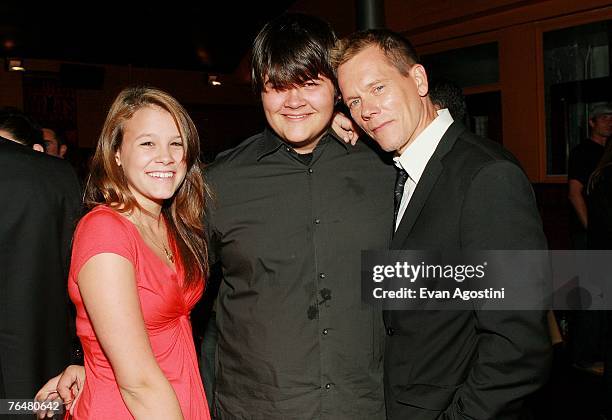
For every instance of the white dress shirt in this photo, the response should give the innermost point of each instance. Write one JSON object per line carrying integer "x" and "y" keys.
{"x": 414, "y": 159}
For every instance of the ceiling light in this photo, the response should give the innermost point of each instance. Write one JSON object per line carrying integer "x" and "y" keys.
{"x": 214, "y": 80}
{"x": 14, "y": 64}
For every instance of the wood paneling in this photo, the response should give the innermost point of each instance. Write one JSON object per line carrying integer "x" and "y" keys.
{"x": 461, "y": 18}
{"x": 517, "y": 26}
{"x": 419, "y": 16}
{"x": 517, "y": 68}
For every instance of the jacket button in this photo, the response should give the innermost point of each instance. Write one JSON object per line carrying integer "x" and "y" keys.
{"x": 390, "y": 331}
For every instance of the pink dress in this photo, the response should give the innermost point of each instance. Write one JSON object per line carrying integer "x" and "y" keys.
{"x": 165, "y": 307}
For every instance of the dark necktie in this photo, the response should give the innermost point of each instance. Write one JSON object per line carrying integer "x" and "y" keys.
{"x": 402, "y": 177}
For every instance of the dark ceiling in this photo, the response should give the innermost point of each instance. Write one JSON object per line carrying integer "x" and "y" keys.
{"x": 207, "y": 36}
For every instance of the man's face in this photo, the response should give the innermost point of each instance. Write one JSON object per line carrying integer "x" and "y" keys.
{"x": 601, "y": 125}
{"x": 300, "y": 115}
{"x": 52, "y": 146}
{"x": 390, "y": 107}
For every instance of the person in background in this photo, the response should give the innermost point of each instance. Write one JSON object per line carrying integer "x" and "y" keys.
{"x": 446, "y": 94}
{"x": 41, "y": 201}
{"x": 54, "y": 143}
{"x": 585, "y": 326}
{"x": 582, "y": 162}
{"x": 599, "y": 236}
{"x": 19, "y": 127}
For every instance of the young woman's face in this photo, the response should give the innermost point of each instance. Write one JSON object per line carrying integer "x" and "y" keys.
{"x": 152, "y": 156}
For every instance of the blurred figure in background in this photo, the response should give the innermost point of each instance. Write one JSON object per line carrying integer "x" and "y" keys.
{"x": 446, "y": 94}
{"x": 20, "y": 128}
{"x": 54, "y": 143}
{"x": 585, "y": 326}
{"x": 599, "y": 236}
{"x": 40, "y": 204}
{"x": 582, "y": 162}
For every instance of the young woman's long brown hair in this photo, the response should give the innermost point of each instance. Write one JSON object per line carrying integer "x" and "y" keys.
{"x": 185, "y": 210}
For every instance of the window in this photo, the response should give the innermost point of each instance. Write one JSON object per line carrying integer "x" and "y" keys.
{"x": 470, "y": 66}
{"x": 576, "y": 77}
{"x": 475, "y": 69}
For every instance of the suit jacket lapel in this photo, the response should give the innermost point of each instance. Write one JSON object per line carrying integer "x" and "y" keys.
{"x": 426, "y": 183}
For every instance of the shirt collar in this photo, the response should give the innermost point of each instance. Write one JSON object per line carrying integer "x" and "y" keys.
{"x": 414, "y": 159}
{"x": 271, "y": 142}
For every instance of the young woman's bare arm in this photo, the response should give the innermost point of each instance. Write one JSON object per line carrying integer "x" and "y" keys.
{"x": 108, "y": 288}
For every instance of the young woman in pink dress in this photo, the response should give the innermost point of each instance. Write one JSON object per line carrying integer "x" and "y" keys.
{"x": 138, "y": 264}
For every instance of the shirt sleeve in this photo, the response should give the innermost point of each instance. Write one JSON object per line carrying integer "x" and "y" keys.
{"x": 100, "y": 232}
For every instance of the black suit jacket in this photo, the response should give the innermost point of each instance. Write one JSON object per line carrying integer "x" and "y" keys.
{"x": 40, "y": 204}
{"x": 466, "y": 364}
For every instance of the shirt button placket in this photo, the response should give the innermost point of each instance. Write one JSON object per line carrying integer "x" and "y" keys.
{"x": 325, "y": 330}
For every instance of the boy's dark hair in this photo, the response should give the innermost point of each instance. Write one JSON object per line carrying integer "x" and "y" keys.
{"x": 291, "y": 50}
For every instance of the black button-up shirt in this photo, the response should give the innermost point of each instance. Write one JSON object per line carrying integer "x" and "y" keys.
{"x": 295, "y": 340}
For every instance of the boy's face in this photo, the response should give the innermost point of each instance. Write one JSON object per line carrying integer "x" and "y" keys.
{"x": 300, "y": 115}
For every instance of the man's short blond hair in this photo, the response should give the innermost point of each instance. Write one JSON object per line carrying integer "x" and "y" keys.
{"x": 398, "y": 50}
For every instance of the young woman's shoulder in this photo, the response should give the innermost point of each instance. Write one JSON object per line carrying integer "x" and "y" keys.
{"x": 103, "y": 230}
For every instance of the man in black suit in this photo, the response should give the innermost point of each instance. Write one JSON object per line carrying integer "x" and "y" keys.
{"x": 459, "y": 192}
{"x": 40, "y": 204}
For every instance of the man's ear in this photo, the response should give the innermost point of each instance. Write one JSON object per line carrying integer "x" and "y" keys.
{"x": 591, "y": 122}
{"x": 38, "y": 147}
{"x": 62, "y": 150}
{"x": 419, "y": 75}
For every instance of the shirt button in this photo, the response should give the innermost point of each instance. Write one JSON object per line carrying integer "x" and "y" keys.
{"x": 317, "y": 221}
{"x": 325, "y": 331}
{"x": 328, "y": 386}
{"x": 390, "y": 331}
{"x": 288, "y": 149}
{"x": 322, "y": 275}
{"x": 310, "y": 170}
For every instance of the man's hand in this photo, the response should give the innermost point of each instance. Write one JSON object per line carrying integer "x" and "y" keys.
{"x": 345, "y": 128}
{"x": 66, "y": 386}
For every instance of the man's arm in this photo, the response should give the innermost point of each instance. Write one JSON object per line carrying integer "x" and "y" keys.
{"x": 513, "y": 346}
{"x": 576, "y": 197}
